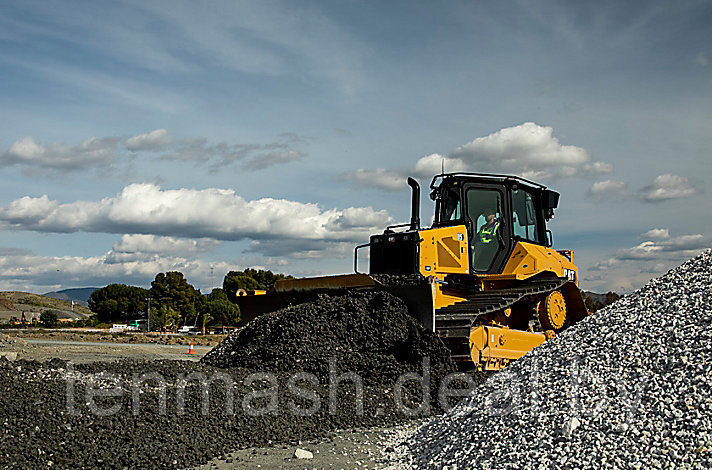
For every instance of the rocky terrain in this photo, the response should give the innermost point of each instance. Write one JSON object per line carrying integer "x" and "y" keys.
{"x": 274, "y": 385}
{"x": 629, "y": 387}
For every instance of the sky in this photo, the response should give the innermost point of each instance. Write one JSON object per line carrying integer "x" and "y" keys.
{"x": 139, "y": 137}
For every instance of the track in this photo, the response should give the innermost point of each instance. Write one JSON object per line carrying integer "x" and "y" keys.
{"x": 453, "y": 323}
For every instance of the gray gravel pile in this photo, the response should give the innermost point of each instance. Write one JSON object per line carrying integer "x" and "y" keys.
{"x": 629, "y": 387}
{"x": 366, "y": 332}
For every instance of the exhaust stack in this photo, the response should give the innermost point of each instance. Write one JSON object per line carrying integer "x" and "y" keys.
{"x": 415, "y": 204}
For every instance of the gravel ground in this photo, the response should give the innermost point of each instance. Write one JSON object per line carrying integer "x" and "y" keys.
{"x": 137, "y": 338}
{"x": 360, "y": 449}
{"x": 41, "y": 427}
{"x": 629, "y": 387}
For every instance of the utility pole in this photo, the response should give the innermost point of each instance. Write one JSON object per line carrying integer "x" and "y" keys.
{"x": 148, "y": 315}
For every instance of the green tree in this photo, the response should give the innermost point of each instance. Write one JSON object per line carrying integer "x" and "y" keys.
{"x": 164, "y": 317}
{"x": 217, "y": 294}
{"x": 49, "y": 319}
{"x": 118, "y": 303}
{"x": 171, "y": 289}
{"x": 250, "y": 279}
{"x": 221, "y": 310}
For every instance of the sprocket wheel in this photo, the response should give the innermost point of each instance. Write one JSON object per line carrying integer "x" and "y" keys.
{"x": 552, "y": 311}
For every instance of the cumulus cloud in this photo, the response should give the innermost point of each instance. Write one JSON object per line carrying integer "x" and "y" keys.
{"x": 154, "y": 140}
{"x": 607, "y": 189}
{"x": 103, "y": 152}
{"x": 92, "y": 152}
{"x": 142, "y": 246}
{"x": 218, "y": 214}
{"x": 527, "y": 147}
{"x": 29, "y": 272}
{"x": 630, "y": 267}
{"x": 528, "y": 150}
{"x": 666, "y": 187}
{"x": 598, "y": 168}
{"x": 656, "y": 234}
{"x": 665, "y": 246}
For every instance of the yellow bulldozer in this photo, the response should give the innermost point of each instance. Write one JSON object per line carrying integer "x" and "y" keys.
{"x": 484, "y": 276}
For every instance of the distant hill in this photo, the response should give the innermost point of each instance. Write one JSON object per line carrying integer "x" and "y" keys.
{"x": 80, "y": 295}
{"x": 596, "y": 297}
{"x": 599, "y": 300}
{"x": 13, "y": 303}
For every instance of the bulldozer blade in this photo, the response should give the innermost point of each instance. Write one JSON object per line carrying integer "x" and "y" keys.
{"x": 324, "y": 282}
{"x": 419, "y": 298}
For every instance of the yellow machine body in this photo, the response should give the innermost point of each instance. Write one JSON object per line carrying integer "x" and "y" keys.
{"x": 445, "y": 251}
{"x": 492, "y": 347}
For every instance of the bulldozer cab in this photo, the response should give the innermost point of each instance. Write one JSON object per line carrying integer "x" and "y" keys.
{"x": 497, "y": 210}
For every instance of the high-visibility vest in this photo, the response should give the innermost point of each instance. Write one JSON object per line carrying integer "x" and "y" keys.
{"x": 487, "y": 233}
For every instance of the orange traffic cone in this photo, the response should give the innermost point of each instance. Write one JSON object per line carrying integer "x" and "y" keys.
{"x": 190, "y": 351}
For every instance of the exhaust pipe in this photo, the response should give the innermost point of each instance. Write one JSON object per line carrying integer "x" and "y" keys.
{"x": 415, "y": 204}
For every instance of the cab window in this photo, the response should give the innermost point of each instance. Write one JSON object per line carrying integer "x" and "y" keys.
{"x": 484, "y": 209}
{"x": 524, "y": 217}
{"x": 450, "y": 206}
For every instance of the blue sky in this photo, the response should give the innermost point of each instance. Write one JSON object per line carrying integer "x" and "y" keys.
{"x": 142, "y": 137}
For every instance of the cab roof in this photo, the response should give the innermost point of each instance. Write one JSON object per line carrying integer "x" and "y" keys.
{"x": 484, "y": 177}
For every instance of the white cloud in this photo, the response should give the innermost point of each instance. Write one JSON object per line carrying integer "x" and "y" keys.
{"x": 666, "y": 247}
{"x": 646, "y": 250}
{"x": 153, "y": 141}
{"x": 701, "y": 59}
{"x": 107, "y": 151}
{"x": 666, "y": 187}
{"x": 433, "y": 164}
{"x": 34, "y": 273}
{"x": 528, "y": 150}
{"x": 141, "y": 243}
{"x": 597, "y": 168}
{"x": 522, "y": 148}
{"x": 607, "y": 189}
{"x": 208, "y": 213}
{"x": 90, "y": 153}
{"x": 656, "y": 234}
{"x": 631, "y": 267}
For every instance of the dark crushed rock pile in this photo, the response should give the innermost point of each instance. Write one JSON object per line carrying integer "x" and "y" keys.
{"x": 42, "y": 428}
{"x": 628, "y": 387}
{"x": 367, "y": 332}
{"x": 112, "y": 414}
{"x": 400, "y": 279}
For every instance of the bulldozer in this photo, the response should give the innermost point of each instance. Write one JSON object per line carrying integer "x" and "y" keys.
{"x": 484, "y": 276}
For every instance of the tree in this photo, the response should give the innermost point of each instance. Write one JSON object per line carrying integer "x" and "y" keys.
{"x": 49, "y": 319}
{"x": 222, "y": 311}
{"x": 173, "y": 290}
{"x": 118, "y": 303}
{"x": 164, "y": 317}
{"x": 250, "y": 279}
